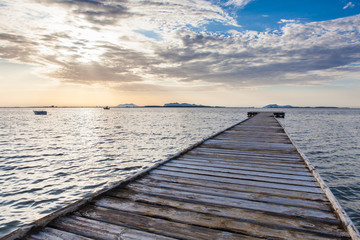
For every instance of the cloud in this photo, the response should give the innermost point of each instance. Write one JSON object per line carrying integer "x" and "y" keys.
{"x": 89, "y": 73}
{"x": 295, "y": 55}
{"x": 239, "y": 3}
{"x": 146, "y": 87}
{"x": 95, "y": 11}
{"x": 287, "y": 21}
{"x": 17, "y": 48}
{"x": 115, "y": 64}
{"x": 142, "y": 45}
{"x": 349, "y": 5}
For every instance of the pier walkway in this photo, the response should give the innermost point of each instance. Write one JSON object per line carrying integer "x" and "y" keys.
{"x": 248, "y": 182}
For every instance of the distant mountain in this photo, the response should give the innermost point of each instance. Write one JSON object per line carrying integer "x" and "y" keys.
{"x": 182, "y": 105}
{"x": 277, "y": 106}
{"x": 127, "y": 105}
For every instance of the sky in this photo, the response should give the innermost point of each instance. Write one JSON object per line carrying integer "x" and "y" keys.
{"x": 235, "y": 53}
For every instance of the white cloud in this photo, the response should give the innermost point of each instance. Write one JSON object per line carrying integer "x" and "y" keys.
{"x": 349, "y": 5}
{"x": 287, "y": 21}
{"x": 239, "y": 3}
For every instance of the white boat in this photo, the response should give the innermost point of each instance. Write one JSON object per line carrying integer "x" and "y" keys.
{"x": 40, "y": 112}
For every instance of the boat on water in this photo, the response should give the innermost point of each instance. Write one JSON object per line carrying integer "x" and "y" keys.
{"x": 40, "y": 112}
{"x": 106, "y": 108}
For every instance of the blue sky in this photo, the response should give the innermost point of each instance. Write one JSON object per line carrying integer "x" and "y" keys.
{"x": 231, "y": 53}
{"x": 261, "y": 14}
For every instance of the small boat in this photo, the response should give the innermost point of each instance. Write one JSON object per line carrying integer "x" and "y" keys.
{"x": 106, "y": 108}
{"x": 40, "y": 112}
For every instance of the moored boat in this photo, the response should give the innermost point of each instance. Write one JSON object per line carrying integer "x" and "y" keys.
{"x": 41, "y": 112}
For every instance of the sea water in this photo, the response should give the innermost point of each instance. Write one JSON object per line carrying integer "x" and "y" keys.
{"x": 47, "y": 162}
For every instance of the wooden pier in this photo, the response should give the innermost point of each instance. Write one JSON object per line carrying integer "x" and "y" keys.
{"x": 248, "y": 182}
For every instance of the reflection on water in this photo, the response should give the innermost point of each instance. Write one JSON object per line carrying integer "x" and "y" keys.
{"x": 47, "y": 162}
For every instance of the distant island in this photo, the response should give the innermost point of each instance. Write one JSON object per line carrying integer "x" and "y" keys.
{"x": 190, "y": 105}
{"x": 289, "y": 106}
{"x": 183, "y": 105}
{"x": 176, "y": 104}
{"x": 127, "y": 105}
{"x": 277, "y": 106}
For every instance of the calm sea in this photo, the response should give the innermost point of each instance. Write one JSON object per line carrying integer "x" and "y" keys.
{"x": 47, "y": 162}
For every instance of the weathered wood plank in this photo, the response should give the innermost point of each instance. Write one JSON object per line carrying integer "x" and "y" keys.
{"x": 277, "y": 146}
{"x": 251, "y": 139}
{"x": 238, "y": 187}
{"x": 55, "y": 234}
{"x": 208, "y": 220}
{"x": 236, "y": 176}
{"x": 291, "y": 211}
{"x": 251, "y": 147}
{"x": 252, "y": 132}
{"x": 229, "y": 212}
{"x": 97, "y": 229}
{"x": 269, "y": 168}
{"x": 253, "y": 127}
{"x": 255, "y": 172}
{"x": 283, "y": 157}
{"x": 239, "y": 160}
{"x": 247, "y": 156}
{"x": 271, "y": 147}
{"x": 219, "y": 191}
{"x": 254, "y": 148}
{"x": 240, "y": 181}
{"x": 157, "y": 225}
{"x": 271, "y": 126}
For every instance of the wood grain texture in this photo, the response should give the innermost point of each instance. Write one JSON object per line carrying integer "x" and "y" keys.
{"x": 261, "y": 218}
{"x": 210, "y": 220}
{"x": 55, "y": 234}
{"x": 160, "y": 226}
{"x": 280, "y": 209}
{"x": 270, "y": 168}
{"x": 239, "y": 171}
{"x": 98, "y": 229}
{"x": 238, "y": 187}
